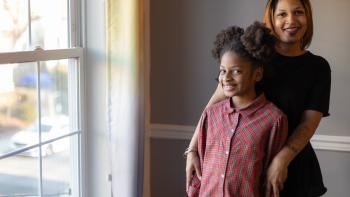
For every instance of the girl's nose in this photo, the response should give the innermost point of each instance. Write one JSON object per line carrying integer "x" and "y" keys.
{"x": 227, "y": 76}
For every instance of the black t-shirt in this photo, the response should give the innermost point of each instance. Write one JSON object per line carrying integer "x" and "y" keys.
{"x": 296, "y": 84}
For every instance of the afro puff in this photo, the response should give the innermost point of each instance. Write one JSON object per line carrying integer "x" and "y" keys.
{"x": 256, "y": 43}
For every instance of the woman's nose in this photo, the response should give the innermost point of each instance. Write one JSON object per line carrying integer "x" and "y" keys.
{"x": 291, "y": 19}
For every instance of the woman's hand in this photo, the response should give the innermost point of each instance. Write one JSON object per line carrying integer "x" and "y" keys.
{"x": 192, "y": 166}
{"x": 276, "y": 175}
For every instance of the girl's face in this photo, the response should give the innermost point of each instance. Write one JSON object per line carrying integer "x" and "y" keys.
{"x": 237, "y": 76}
{"x": 290, "y": 22}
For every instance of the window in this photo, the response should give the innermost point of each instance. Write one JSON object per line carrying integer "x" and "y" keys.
{"x": 41, "y": 60}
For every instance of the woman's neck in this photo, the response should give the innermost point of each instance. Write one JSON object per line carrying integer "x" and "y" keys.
{"x": 289, "y": 49}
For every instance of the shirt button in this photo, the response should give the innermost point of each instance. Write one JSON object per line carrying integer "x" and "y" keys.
{"x": 222, "y": 176}
{"x": 232, "y": 130}
{"x": 227, "y": 152}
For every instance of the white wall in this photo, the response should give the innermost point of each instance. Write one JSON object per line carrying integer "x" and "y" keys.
{"x": 97, "y": 163}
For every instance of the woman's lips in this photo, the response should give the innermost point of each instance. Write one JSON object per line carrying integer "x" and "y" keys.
{"x": 291, "y": 30}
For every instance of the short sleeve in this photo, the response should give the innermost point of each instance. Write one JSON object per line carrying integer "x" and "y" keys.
{"x": 278, "y": 137}
{"x": 194, "y": 187}
{"x": 319, "y": 95}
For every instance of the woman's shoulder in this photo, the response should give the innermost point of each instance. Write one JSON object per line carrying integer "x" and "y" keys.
{"x": 318, "y": 61}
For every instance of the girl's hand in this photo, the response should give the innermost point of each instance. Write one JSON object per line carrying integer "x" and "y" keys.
{"x": 192, "y": 166}
{"x": 276, "y": 175}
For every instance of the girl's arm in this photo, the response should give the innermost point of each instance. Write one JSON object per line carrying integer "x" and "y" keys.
{"x": 192, "y": 161}
{"x": 278, "y": 169}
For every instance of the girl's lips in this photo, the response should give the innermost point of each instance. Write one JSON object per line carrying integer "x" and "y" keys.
{"x": 228, "y": 87}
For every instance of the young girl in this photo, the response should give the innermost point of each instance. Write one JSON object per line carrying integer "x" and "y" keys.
{"x": 299, "y": 84}
{"x": 239, "y": 136}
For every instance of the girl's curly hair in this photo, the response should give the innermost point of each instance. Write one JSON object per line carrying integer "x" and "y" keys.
{"x": 256, "y": 43}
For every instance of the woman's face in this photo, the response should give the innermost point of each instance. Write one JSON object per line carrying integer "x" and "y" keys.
{"x": 290, "y": 22}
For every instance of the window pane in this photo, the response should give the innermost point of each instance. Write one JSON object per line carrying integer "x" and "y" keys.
{"x": 59, "y": 169}
{"x": 19, "y": 176}
{"x": 18, "y": 108}
{"x": 47, "y": 26}
{"x": 49, "y": 23}
{"x": 19, "y": 103}
{"x": 55, "y": 114}
{"x": 14, "y": 25}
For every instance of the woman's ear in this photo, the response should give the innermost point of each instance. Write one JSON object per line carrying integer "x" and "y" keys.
{"x": 258, "y": 74}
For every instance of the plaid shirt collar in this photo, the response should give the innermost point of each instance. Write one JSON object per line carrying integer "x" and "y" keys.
{"x": 246, "y": 111}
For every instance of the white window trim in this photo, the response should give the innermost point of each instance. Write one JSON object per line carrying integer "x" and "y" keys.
{"x": 75, "y": 90}
{"x": 40, "y": 55}
{"x": 77, "y": 39}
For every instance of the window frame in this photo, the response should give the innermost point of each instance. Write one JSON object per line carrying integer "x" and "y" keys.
{"x": 75, "y": 50}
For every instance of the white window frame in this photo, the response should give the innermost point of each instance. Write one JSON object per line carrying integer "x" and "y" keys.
{"x": 76, "y": 50}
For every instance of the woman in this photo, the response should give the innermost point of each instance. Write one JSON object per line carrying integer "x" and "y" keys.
{"x": 298, "y": 82}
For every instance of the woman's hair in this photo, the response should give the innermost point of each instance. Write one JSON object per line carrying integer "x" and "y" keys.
{"x": 269, "y": 22}
{"x": 256, "y": 43}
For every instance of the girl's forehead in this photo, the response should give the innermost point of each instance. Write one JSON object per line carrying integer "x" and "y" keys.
{"x": 231, "y": 58}
{"x": 234, "y": 55}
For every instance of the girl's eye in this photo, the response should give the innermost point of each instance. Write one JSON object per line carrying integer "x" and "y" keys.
{"x": 236, "y": 72}
{"x": 221, "y": 72}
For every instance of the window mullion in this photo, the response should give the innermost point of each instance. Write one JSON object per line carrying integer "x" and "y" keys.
{"x": 39, "y": 129}
{"x": 29, "y": 24}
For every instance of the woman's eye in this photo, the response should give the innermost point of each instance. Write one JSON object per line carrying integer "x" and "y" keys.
{"x": 221, "y": 72}
{"x": 281, "y": 14}
{"x": 299, "y": 12}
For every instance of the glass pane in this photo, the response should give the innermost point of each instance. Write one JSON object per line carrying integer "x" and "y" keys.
{"x": 54, "y": 99}
{"x": 49, "y": 23}
{"x": 60, "y": 169}
{"x": 18, "y": 99}
{"x": 47, "y": 27}
{"x": 19, "y": 103}
{"x": 19, "y": 176}
{"x": 13, "y": 25}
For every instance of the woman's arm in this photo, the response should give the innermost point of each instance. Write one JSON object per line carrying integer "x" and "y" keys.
{"x": 278, "y": 169}
{"x": 192, "y": 161}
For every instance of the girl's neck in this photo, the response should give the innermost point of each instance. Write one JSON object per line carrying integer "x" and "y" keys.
{"x": 288, "y": 49}
{"x": 243, "y": 101}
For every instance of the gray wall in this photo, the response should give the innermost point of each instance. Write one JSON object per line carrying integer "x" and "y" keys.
{"x": 183, "y": 72}
{"x": 167, "y": 168}
{"x": 182, "y": 69}
{"x": 331, "y": 40}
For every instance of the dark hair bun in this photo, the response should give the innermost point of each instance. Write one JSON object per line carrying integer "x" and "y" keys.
{"x": 258, "y": 41}
{"x": 225, "y": 37}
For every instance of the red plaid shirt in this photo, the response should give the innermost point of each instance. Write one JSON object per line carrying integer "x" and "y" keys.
{"x": 236, "y": 146}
